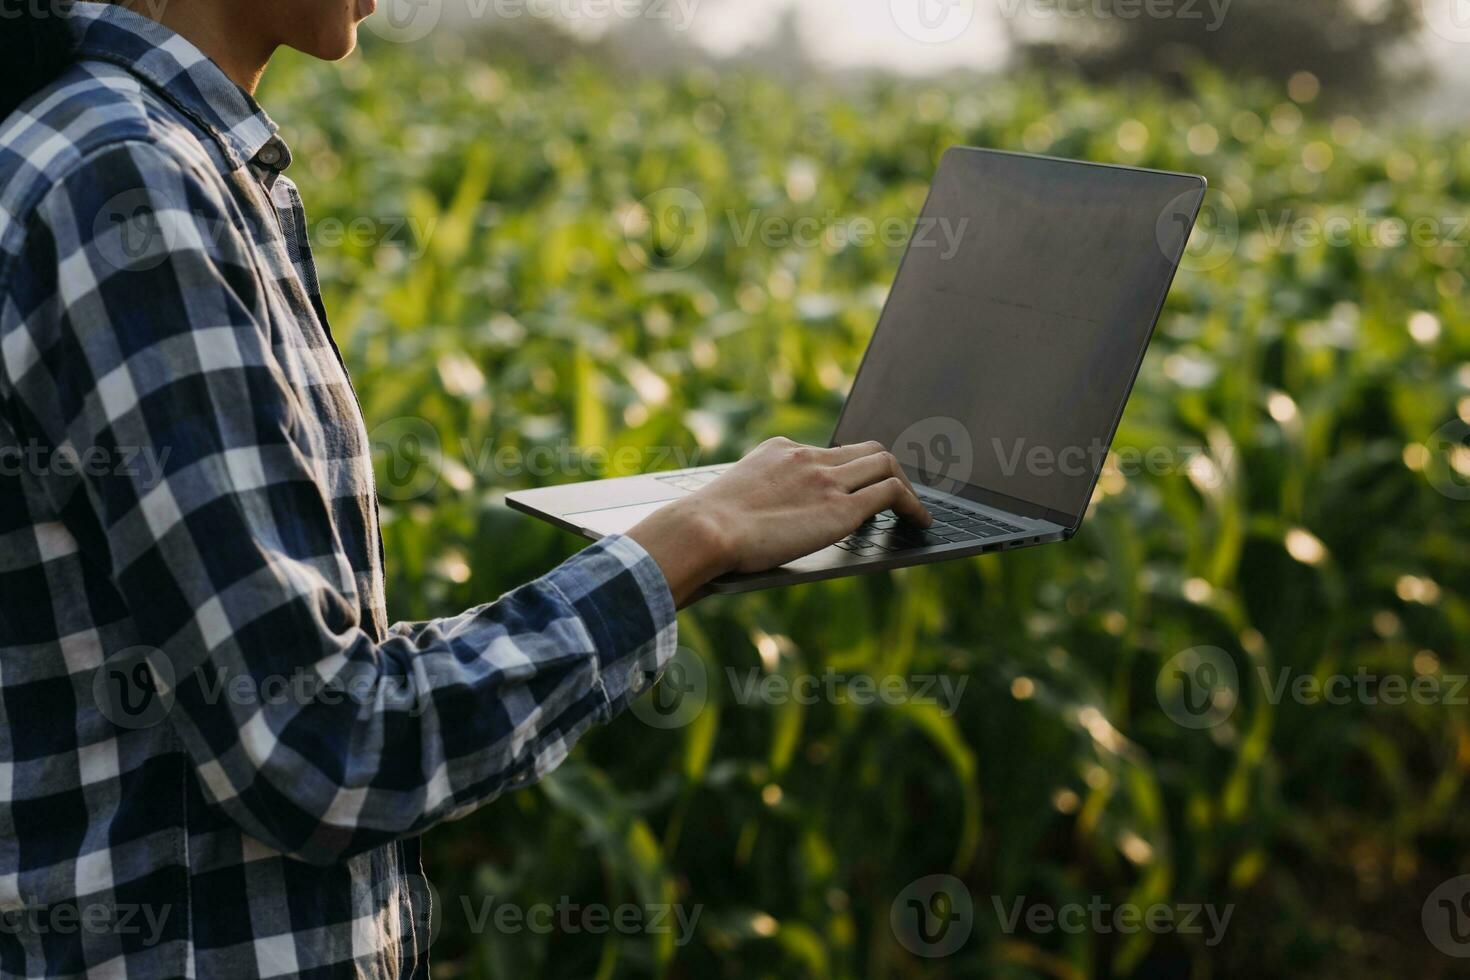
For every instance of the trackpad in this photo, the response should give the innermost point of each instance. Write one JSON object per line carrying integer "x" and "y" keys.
{"x": 614, "y": 520}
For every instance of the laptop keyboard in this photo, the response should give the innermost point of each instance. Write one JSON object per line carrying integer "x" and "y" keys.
{"x": 887, "y": 532}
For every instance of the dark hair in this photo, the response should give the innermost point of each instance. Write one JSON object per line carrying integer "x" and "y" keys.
{"x": 35, "y": 47}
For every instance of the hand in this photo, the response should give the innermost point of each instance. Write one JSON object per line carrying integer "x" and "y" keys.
{"x": 780, "y": 503}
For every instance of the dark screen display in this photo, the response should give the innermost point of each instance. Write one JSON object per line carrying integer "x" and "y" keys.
{"x": 1017, "y": 323}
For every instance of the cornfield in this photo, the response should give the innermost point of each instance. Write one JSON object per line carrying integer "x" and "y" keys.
{"x": 550, "y": 269}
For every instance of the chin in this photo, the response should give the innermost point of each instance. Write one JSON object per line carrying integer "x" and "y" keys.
{"x": 333, "y": 46}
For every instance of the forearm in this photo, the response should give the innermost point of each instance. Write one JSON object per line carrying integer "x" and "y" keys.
{"x": 436, "y": 719}
{"x": 689, "y": 545}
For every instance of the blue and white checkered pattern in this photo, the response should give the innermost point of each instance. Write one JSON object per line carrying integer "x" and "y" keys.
{"x": 214, "y": 750}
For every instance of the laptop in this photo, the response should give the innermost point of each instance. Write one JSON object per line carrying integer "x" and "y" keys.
{"x": 998, "y": 371}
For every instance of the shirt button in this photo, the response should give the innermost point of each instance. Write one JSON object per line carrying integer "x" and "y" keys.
{"x": 637, "y": 680}
{"x": 270, "y": 156}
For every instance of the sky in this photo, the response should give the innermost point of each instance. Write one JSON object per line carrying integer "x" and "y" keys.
{"x": 914, "y": 37}
{"x": 909, "y": 36}
{"x": 921, "y": 36}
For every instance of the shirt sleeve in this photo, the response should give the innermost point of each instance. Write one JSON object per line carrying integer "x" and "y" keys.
{"x": 227, "y": 560}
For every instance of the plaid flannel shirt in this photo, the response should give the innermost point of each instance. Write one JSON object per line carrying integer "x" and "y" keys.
{"x": 214, "y": 750}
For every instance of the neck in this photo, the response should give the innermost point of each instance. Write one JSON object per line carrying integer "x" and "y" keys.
{"x": 223, "y": 30}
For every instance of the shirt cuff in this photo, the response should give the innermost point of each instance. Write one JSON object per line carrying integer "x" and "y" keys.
{"x": 621, "y": 595}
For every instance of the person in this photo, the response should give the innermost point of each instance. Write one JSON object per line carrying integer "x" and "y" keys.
{"x": 215, "y": 752}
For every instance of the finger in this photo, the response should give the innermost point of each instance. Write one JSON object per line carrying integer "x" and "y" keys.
{"x": 838, "y": 455}
{"x": 892, "y": 494}
{"x": 869, "y": 469}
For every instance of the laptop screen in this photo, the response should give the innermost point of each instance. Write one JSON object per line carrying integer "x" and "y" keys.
{"x": 1017, "y": 324}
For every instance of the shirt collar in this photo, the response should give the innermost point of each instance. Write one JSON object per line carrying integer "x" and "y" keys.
{"x": 185, "y": 76}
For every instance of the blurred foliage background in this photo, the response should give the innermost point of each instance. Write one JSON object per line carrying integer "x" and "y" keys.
{"x": 513, "y": 263}
{"x": 1362, "y": 51}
